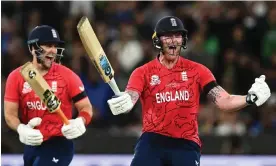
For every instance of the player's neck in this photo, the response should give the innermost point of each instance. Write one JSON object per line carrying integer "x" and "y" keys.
{"x": 167, "y": 63}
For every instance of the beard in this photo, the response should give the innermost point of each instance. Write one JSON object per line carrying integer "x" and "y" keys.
{"x": 47, "y": 62}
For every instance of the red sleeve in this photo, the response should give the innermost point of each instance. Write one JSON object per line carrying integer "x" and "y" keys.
{"x": 206, "y": 76}
{"x": 76, "y": 87}
{"x": 136, "y": 81}
{"x": 12, "y": 91}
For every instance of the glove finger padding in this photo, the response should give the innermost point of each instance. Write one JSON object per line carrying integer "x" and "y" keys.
{"x": 262, "y": 78}
{"x": 73, "y": 135}
{"x": 261, "y": 90}
{"x": 34, "y": 122}
{"x": 35, "y": 141}
{"x": 118, "y": 99}
{"x": 67, "y": 129}
{"x": 121, "y": 104}
{"x": 28, "y": 135}
{"x": 75, "y": 129}
{"x": 126, "y": 106}
{"x": 34, "y": 136}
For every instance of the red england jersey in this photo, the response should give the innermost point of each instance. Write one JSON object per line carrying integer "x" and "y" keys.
{"x": 170, "y": 97}
{"x": 67, "y": 87}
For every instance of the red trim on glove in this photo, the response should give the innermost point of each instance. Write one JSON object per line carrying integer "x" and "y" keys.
{"x": 86, "y": 116}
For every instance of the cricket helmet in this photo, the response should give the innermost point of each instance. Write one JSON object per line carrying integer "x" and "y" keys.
{"x": 168, "y": 24}
{"x": 44, "y": 34}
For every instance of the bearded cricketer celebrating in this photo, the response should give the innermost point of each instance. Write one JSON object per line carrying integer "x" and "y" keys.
{"x": 169, "y": 88}
{"x": 47, "y": 140}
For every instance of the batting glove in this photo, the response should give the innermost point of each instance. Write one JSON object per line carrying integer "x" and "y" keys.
{"x": 259, "y": 92}
{"x": 28, "y": 135}
{"x": 120, "y": 104}
{"x": 75, "y": 128}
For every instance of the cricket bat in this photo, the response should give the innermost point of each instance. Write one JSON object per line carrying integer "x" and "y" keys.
{"x": 96, "y": 53}
{"x": 42, "y": 89}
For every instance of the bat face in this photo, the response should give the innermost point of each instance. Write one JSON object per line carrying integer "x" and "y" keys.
{"x": 94, "y": 49}
{"x": 40, "y": 86}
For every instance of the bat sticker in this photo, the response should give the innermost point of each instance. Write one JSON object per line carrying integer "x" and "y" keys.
{"x": 52, "y": 102}
{"x": 105, "y": 65}
{"x": 32, "y": 74}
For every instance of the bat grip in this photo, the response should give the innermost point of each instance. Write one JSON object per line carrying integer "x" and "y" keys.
{"x": 113, "y": 85}
{"x": 62, "y": 116}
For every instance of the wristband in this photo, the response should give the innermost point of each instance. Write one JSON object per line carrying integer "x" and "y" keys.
{"x": 251, "y": 99}
{"x": 86, "y": 116}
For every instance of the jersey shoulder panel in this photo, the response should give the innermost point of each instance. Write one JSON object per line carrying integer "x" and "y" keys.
{"x": 13, "y": 82}
{"x": 206, "y": 75}
{"x": 15, "y": 75}
{"x": 152, "y": 65}
{"x": 66, "y": 73}
{"x": 63, "y": 69}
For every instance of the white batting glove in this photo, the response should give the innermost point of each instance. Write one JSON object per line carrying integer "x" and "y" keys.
{"x": 120, "y": 104}
{"x": 28, "y": 135}
{"x": 75, "y": 128}
{"x": 259, "y": 92}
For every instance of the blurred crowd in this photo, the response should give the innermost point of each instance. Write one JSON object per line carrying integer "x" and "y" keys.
{"x": 235, "y": 40}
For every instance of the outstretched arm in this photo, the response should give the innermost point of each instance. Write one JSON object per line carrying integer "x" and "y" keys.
{"x": 226, "y": 102}
{"x": 258, "y": 94}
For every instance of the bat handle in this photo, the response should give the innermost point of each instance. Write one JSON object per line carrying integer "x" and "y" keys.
{"x": 113, "y": 85}
{"x": 62, "y": 116}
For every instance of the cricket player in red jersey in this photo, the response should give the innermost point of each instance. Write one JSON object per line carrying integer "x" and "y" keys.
{"x": 169, "y": 88}
{"x": 47, "y": 140}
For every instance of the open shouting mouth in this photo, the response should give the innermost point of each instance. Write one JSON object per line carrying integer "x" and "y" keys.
{"x": 49, "y": 57}
{"x": 172, "y": 49}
